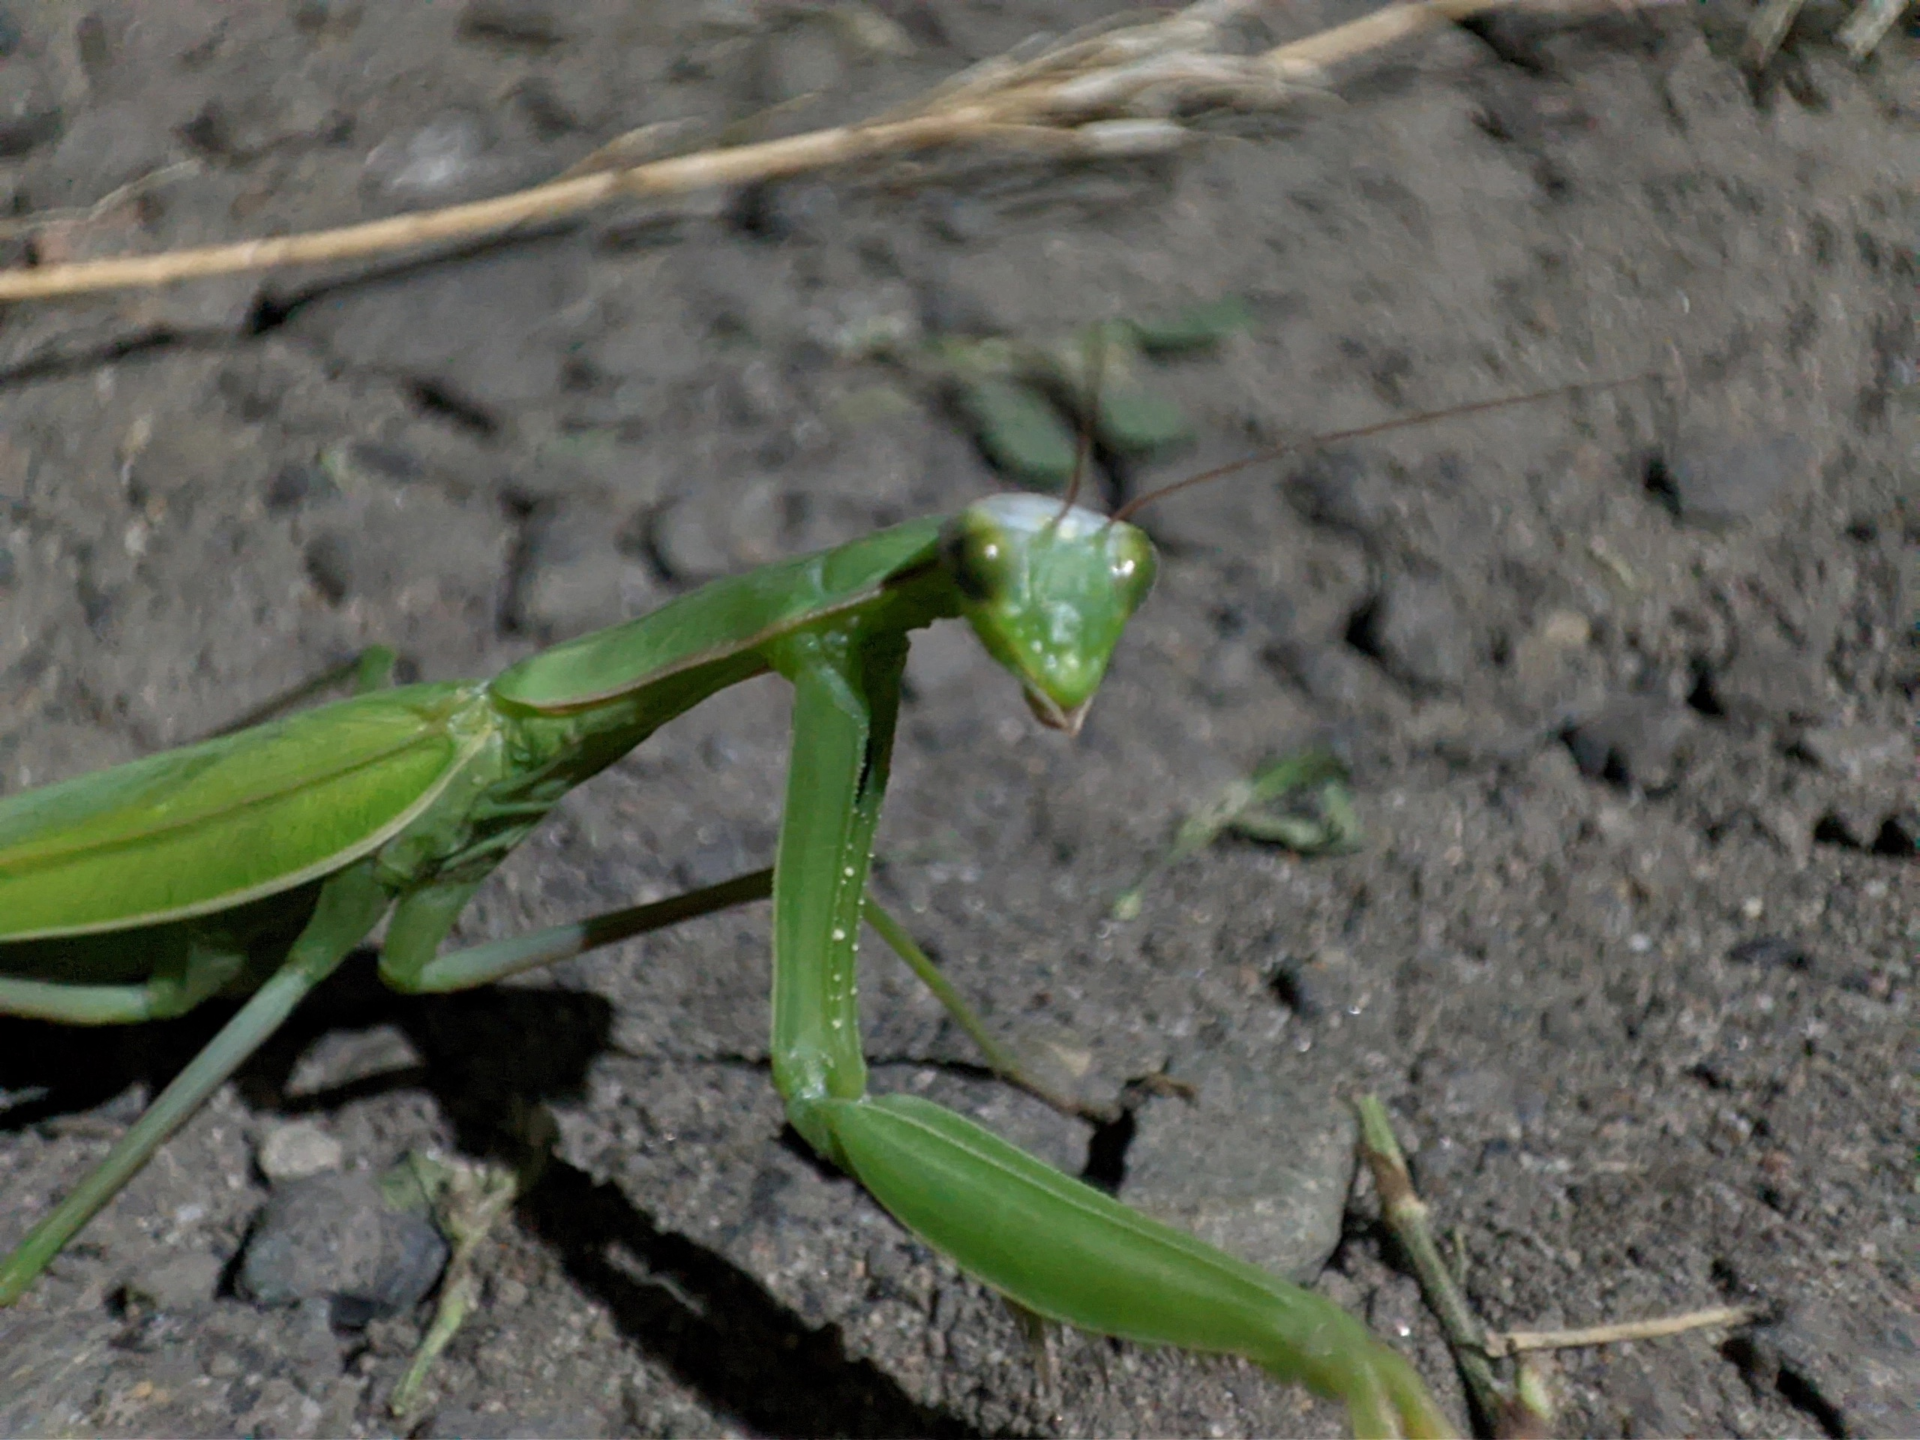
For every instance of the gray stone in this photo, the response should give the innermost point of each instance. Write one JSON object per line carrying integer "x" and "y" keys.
{"x": 1860, "y": 1364}
{"x": 179, "y": 1283}
{"x": 574, "y": 577}
{"x": 450, "y": 157}
{"x": 488, "y": 332}
{"x": 1857, "y": 752}
{"x": 1768, "y": 950}
{"x": 1337, "y": 489}
{"x": 700, "y": 537}
{"x": 1251, "y": 1165}
{"x": 1332, "y": 675}
{"x": 333, "y": 1237}
{"x": 1414, "y": 629}
{"x": 293, "y": 486}
{"x": 1716, "y": 480}
{"x": 297, "y": 1150}
{"x": 1769, "y": 680}
{"x": 1634, "y": 740}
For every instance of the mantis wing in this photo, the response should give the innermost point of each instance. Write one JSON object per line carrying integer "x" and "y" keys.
{"x": 211, "y": 826}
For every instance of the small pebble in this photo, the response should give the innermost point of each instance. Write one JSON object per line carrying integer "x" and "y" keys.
{"x": 442, "y": 156}
{"x": 1414, "y": 628}
{"x": 1634, "y": 741}
{"x": 1766, "y": 950}
{"x": 1860, "y": 1358}
{"x": 179, "y": 1283}
{"x": 1337, "y": 489}
{"x": 333, "y": 1237}
{"x": 525, "y": 23}
{"x": 329, "y": 565}
{"x": 1567, "y": 629}
{"x": 1769, "y": 680}
{"x": 388, "y": 462}
{"x": 297, "y": 1150}
{"x": 1717, "y": 480}
{"x": 295, "y": 485}
{"x": 1856, "y": 752}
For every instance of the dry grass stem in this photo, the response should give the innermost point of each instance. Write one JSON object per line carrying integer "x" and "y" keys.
{"x": 1512, "y": 1342}
{"x": 1113, "y": 92}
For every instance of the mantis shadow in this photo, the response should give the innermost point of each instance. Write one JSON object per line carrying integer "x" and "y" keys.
{"x": 486, "y": 1054}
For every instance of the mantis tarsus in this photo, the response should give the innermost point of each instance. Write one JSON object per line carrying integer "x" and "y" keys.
{"x": 255, "y": 862}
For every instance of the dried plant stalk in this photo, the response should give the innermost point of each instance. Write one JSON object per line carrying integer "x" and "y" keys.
{"x": 1150, "y": 72}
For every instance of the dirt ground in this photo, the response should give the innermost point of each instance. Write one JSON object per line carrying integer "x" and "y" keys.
{"x": 1627, "y": 681}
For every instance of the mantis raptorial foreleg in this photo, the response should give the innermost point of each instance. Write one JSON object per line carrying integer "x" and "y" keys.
{"x": 1050, "y": 1243}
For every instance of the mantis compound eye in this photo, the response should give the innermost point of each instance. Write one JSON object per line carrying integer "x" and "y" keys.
{"x": 979, "y": 557}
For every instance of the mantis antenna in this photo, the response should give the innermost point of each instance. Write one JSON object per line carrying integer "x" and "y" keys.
{"x": 1360, "y": 432}
{"x": 1089, "y": 408}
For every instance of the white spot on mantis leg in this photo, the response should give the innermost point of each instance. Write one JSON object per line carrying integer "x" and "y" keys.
{"x": 838, "y": 933}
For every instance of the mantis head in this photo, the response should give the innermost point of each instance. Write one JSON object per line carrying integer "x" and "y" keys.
{"x": 1048, "y": 590}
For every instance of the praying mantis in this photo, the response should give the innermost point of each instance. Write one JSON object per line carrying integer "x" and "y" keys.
{"x": 255, "y": 862}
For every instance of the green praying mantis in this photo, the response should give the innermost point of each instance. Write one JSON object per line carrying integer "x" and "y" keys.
{"x": 255, "y": 862}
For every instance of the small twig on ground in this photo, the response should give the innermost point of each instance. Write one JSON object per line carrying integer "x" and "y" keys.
{"x": 1096, "y": 95}
{"x": 1512, "y": 1342}
{"x": 85, "y": 214}
{"x": 1522, "y": 1407}
{"x": 1498, "y": 1406}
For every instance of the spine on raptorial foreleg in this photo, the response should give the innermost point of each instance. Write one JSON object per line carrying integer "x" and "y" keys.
{"x": 1072, "y": 1254}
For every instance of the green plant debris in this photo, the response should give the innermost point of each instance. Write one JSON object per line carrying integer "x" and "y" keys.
{"x": 1026, "y": 404}
{"x": 1300, "y": 801}
{"x": 1199, "y": 327}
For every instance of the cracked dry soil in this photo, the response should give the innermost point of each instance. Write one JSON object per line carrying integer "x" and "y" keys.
{"x": 1627, "y": 680}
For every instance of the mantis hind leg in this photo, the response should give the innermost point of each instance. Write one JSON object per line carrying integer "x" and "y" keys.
{"x": 86, "y": 1004}
{"x": 348, "y": 907}
{"x": 186, "y": 967}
